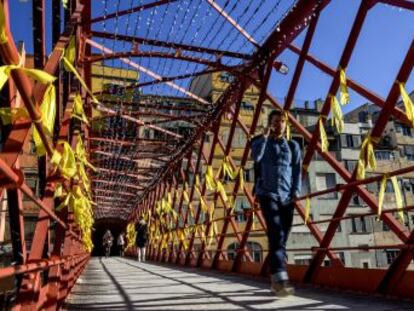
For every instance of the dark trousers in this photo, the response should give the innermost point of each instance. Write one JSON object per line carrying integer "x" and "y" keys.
{"x": 279, "y": 220}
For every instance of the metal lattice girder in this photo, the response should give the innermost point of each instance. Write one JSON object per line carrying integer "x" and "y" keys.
{"x": 149, "y": 144}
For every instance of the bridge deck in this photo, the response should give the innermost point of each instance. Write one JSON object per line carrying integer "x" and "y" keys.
{"x": 123, "y": 284}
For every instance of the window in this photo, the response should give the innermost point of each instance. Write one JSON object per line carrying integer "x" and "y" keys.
{"x": 342, "y": 257}
{"x": 391, "y": 255}
{"x": 350, "y": 141}
{"x": 303, "y": 260}
{"x": 248, "y": 175}
{"x": 406, "y": 131}
{"x": 384, "y": 155}
{"x": 255, "y": 250}
{"x": 409, "y": 152}
{"x": 232, "y": 251}
{"x": 365, "y": 264}
{"x": 246, "y": 105}
{"x": 241, "y": 205}
{"x": 359, "y": 225}
{"x": 32, "y": 180}
{"x": 239, "y": 139}
{"x": 226, "y": 77}
{"x": 350, "y": 165}
{"x": 324, "y": 181}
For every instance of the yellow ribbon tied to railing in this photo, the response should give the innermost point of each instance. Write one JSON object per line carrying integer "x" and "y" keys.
{"x": 3, "y": 33}
{"x": 80, "y": 154}
{"x": 226, "y": 169}
{"x": 307, "y": 210}
{"x": 70, "y": 53}
{"x": 78, "y": 112}
{"x": 222, "y": 191}
{"x": 324, "y": 137}
{"x": 186, "y": 197}
{"x": 81, "y": 81}
{"x": 131, "y": 235}
{"x": 398, "y": 198}
{"x": 212, "y": 232}
{"x": 35, "y": 74}
{"x": 66, "y": 161}
{"x": 11, "y": 115}
{"x": 343, "y": 87}
{"x": 241, "y": 179}
{"x": 203, "y": 205}
{"x": 48, "y": 111}
{"x": 288, "y": 128}
{"x": 366, "y": 157}
{"x": 210, "y": 183}
{"x": 408, "y": 103}
{"x": 337, "y": 118}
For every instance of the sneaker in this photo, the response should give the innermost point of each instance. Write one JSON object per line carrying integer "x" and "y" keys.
{"x": 282, "y": 288}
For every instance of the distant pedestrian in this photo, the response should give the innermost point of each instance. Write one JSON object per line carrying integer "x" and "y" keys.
{"x": 120, "y": 241}
{"x": 107, "y": 241}
{"x": 141, "y": 239}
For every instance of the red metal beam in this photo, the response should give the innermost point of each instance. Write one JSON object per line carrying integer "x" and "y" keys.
{"x": 173, "y": 45}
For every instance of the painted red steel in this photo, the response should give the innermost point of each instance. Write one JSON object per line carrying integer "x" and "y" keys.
{"x": 67, "y": 258}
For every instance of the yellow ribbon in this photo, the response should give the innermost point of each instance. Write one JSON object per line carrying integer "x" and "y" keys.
{"x": 222, "y": 191}
{"x": 307, "y": 210}
{"x": 71, "y": 68}
{"x": 66, "y": 161}
{"x": 48, "y": 111}
{"x": 288, "y": 129}
{"x": 210, "y": 183}
{"x": 408, "y": 103}
{"x": 70, "y": 53}
{"x": 337, "y": 118}
{"x": 3, "y": 33}
{"x": 131, "y": 235}
{"x": 11, "y": 115}
{"x": 36, "y": 74}
{"x": 241, "y": 179}
{"x": 78, "y": 111}
{"x": 343, "y": 87}
{"x": 398, "y": 198}
{"x": 366, "y": 157}
{"x": 324, "y": 137}
{"x": 226, "y": 168}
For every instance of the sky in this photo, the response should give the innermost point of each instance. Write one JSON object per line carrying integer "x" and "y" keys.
{"x": 386, "y": 35}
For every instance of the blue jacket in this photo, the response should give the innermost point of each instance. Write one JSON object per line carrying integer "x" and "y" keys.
{"x": 280, "y": 168}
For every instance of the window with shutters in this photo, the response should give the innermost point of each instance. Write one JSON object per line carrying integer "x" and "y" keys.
{"x": 409, "y": 152}
{"x": 391, "y": 255}
{"x": 241, "y": 205}
{"x": 350, "y": 165}
{"x": 325, "y": 181}
{"x": 360, "y": 225}
{"x": 350, "y": 141}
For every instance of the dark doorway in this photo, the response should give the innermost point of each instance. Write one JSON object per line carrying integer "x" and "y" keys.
{"x": 115, "y": 225}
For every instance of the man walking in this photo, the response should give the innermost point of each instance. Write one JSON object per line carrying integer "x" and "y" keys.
{"x": 277, "y": 185}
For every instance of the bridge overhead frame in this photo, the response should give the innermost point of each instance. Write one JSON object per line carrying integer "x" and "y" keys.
{"x": 45, "y": 273}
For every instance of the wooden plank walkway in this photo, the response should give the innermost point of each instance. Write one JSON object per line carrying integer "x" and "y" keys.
{"x": 124, "y": 284}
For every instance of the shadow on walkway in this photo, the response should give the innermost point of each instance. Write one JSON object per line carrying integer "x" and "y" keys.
{"x": 123, "y": 284}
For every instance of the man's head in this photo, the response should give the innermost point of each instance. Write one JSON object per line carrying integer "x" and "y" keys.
{"x": 277, "y": 123}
